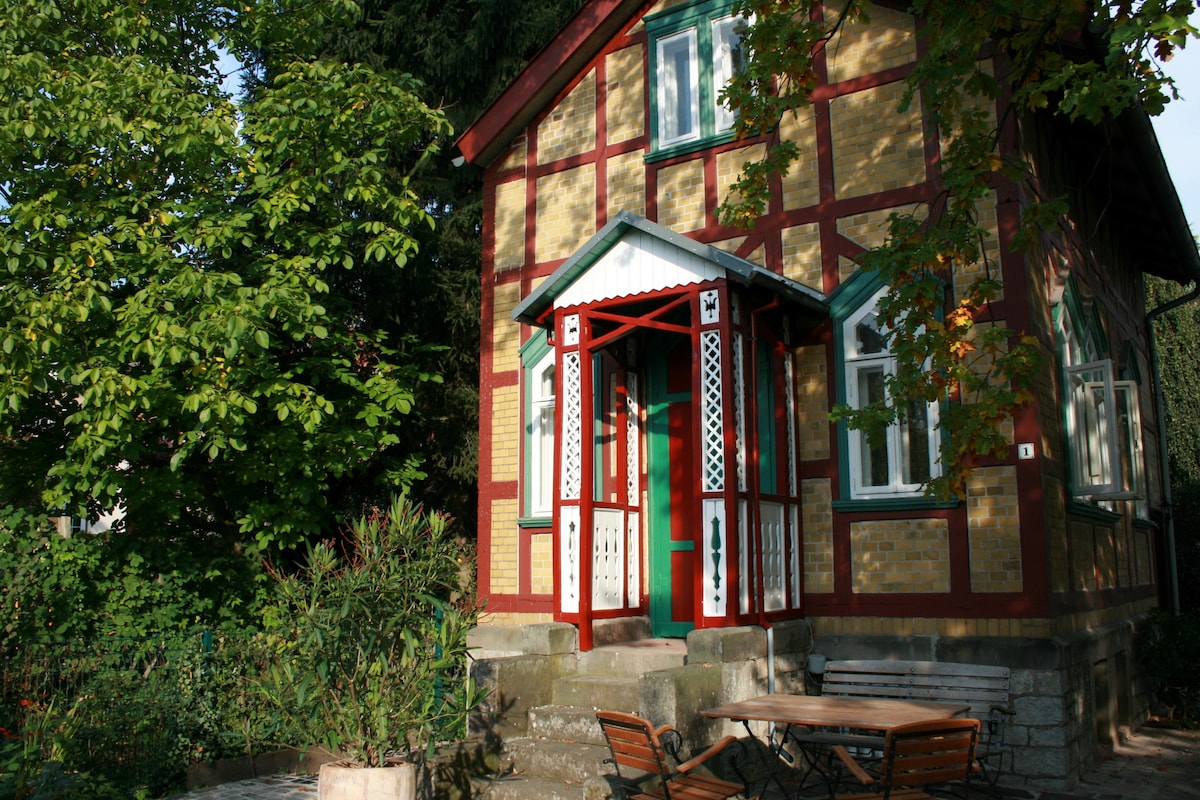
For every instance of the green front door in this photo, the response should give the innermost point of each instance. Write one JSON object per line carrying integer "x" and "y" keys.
{"x": 673, "y": 489}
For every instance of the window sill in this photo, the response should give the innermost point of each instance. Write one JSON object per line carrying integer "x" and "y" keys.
{"x": 534, "y": 522}
{"x": 890, "y": 504}
{"x": 1082, "y": 508}
{"x": 683, "y": 148}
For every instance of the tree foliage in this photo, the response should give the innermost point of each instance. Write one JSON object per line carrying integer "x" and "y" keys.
{"x": 177, "y": 333}
{"x": 1177, "y": 333}
{"x": 1084, "y": 61}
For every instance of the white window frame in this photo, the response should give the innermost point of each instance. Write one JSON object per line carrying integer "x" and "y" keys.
{"x": 1104, "y": 434}
{"x": 670, "y": 87}
{"x": 541, "y": 440}
{"x": 897, "y": 438}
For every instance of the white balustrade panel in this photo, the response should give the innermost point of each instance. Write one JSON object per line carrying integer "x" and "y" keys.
{"x": 608, "y": 559}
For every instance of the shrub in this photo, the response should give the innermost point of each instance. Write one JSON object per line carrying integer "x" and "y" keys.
{"x": 1169, "y": 649}
{"x": 369, "y": 638}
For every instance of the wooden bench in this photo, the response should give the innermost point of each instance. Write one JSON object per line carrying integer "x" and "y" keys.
{"x": 984, "y": 688}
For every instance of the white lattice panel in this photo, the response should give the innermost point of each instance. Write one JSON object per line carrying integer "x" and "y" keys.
{"x": 568, "y": 565}
{"x": 790, "y": 400}
{"x": 608, "y": 559}
{"x": 739, "y": 409}
{"x": 715, "y": 566}
{"x": 633, "y": 546}
{"x": 713, "y": 421}
{"x": 572, "y": 427}
{"x": 771, "y": 517}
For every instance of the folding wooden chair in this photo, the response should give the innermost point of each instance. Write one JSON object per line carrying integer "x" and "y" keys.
{"x": 916, "y": 757}
{"x": 637, "y": 746}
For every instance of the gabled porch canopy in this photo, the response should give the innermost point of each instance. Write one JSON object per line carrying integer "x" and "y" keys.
{"x": 620, "y": 242}
{"x": 675, "y": 430}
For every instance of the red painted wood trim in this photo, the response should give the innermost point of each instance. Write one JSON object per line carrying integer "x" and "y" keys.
{"x": 592, "y": 27}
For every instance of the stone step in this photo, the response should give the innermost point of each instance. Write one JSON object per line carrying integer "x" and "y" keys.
{"x": 632, "y": 659}
{"x": 516, "y": 787}
{"x": 566, "y": 723}
{"x": 570, "y": 762}
{"x": 597, "y": 691}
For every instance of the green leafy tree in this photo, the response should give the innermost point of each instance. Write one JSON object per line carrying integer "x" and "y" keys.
{"x": 949, "y": 347}
{"x": 176, "y": 331}
{"x": 1177, "y": 333}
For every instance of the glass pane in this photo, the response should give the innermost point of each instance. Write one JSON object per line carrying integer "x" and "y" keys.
{"x": 867, "y": 337}
{"x": 914, "y": 443}
{"x": 543, "y": 466}
{"x": 678, "y": 89}
{"x": 872, "y": 454}
{"x": 545, "y": 388}
{"x": 727, "y": 61}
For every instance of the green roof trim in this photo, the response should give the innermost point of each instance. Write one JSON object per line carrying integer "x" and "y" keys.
{"x": 532, "y": 308}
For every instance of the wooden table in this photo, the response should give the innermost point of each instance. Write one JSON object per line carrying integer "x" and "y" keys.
{"x": 855, "y": 713}
{"x": 812, "y": 723}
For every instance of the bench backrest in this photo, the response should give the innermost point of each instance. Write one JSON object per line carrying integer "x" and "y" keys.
{"x": 982, "y": 687}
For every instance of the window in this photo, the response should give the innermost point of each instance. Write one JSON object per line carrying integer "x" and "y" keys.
{"x": 537, "y": 358}
{"x": 696, "y": 51}
{"x": 1103, "y": 416}
{"x": 901, "y": 461}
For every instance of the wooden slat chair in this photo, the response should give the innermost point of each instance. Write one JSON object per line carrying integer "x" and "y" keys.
{"x": 637, "y": 747}
{"x": 916, "y": 757}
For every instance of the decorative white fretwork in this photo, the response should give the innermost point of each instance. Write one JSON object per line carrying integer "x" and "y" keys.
{"x": 568, "y": 566}
{"x": 794, "y": 541}
{"x": 608, "y": 558}
{"x": 572, "y": 427}
{"x": 633, "y": 540}
{"x": 715, "y": 567}
{"x": 633, "y": 455}
{"x": 739, "y": 409}
{"x": 713, "y": 421}
{"x": 774, "y": 577}
{"x": 710, "y": 307}
{"x": 571, "y": 330}
{"x": 790, "y": 394}
{"x": 746, "y": 577}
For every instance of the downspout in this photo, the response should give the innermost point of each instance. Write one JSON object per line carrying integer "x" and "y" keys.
{"x": 1164, "y": 460}
{"x": 755, "y": 493}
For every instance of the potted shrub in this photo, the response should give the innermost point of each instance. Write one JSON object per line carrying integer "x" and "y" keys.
{"x": 368, "y": 642}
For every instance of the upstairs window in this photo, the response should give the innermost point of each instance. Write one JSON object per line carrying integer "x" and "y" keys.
{"x": 1102, "y": 416}
{"x": 901, "y": 461}
{"x": 695, "y": 51}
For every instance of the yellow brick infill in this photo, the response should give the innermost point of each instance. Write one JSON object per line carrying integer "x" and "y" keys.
{"x": 802, "y": 185}
{"x": 817, "y": 524}
{"x": 566, "y": 212}
{"x": 625, "y": 90}
{"x": 541, "y": 563}
{"x": 994, "y": 529}
{"x": 510, "y": 225}
{"x": 729, "y": 168}
{"x": 802, "y": 255}
{"x": 681, "y": 196}
{"x": 812, "y": 402}
{"x": 505, "y": 419}
{"x": 504, "y": 550}
{"x": 900, "y": 556}
{"x": 876, "y": 147}
{"x": 570, "y": 127}
{"x": 506, "y": 332}
{"x": 627, "y": 184}
{"x": 886, "y": 40}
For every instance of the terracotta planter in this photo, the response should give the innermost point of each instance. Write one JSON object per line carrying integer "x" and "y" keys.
{"x": 341, "y": 781}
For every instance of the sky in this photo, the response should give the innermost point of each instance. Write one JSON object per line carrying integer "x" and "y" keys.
{"x": 1178, "y": 130}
